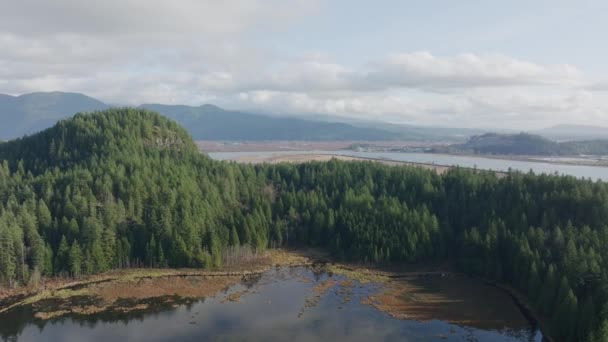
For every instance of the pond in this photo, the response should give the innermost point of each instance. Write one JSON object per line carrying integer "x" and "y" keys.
{"x": 297, "y": 304}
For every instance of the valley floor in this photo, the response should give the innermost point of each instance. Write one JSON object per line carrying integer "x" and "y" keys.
{"x": 303, "y": 158}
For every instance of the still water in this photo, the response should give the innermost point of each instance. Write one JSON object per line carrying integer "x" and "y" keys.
{"x": 580, "y": 171}
{"x": 284, "y": 304}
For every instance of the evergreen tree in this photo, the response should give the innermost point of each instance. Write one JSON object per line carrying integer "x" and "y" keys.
{"x": 126, "y": 187}
{"x": 75, "y": 259}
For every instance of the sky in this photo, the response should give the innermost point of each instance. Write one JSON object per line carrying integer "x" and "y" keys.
{"x": 486, "y": 64}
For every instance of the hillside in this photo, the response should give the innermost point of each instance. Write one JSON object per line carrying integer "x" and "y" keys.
{"x": 586, "y": 147}
{"x": 114, "y": 188}
{"x": 30, "y": 113}
{"x": 408, "y": 131}
{"x": 127, "y": 188}
{"x": 116, "y": 133}
{"x": 209, "y": 122}
{"x": 573, "y": 132}
{"x": 529, "y": 144}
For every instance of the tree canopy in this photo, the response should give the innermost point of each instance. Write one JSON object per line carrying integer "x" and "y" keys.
{"x": 126, "y": 188}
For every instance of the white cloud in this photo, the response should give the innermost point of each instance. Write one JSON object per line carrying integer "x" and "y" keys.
{"x": 422, "y": 69}
{"x": 602, "y": 86}
{"x": 418, "y": 70}
{"x": 146, "y": 17}
{"x": 135, "y": 51}
{"x": 519, "y": 108}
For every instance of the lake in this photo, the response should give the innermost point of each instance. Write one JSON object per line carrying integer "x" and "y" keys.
{"x": 300, "y": 304}
{"x": 580, "y": 171}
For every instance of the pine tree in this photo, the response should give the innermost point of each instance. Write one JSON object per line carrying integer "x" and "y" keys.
{"x": 234, "y": 237}
{"x": 75, "y": 259}
{"x": 8, "y": 264}
{"x": 62, "y": 255}
{"x": 43, "y": 214}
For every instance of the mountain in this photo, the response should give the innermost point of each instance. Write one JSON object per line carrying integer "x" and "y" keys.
{"x": 529, "y": 144}
{"x": 573, "y": 132}
{"x": 410, "y": 132}
{"x": 33, "y": 112}
{"x": 208, "y": 122}
{"x": 30, "y": 113}
{"x": 521, "y": 144}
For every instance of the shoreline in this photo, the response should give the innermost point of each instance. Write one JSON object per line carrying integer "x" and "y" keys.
{"x": 114, "y": 284}
{"x": 528, "y": 158}
{"x": 322, "y": 157}
{"x": 521, "y": 158}
{"x": 53, "y": 287}
{"x": 524, "y": 306}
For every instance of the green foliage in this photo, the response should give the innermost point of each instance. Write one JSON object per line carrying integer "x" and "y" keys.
{"x": 128, "y": 188}
{"x": 545, "y": 235}
{"x": 75, "y": 259}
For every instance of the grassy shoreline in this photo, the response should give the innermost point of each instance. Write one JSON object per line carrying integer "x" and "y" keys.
{"x": 112, "y": 286}
{"x": 66, "y": 287}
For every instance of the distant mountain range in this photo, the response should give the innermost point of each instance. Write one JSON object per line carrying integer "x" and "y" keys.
{"x": 209, "y": 122}
{"x": 528, "y": 144}
{"x": 29, "y": 113}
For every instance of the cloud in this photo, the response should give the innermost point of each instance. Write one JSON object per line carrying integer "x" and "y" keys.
{"x": 517, "y": 108}
{"x": 136, "y": 51}
{"x": 418, "y": 70}
{"x": 601, "y": 86}
{"x": 422, "y": 69}
{"x": 146, "y": 17}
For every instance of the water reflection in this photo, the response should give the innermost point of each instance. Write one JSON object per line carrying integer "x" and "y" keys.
{"x": 269, "y": 310}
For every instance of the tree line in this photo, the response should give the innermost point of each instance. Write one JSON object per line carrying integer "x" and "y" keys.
{"x": 128, "y": 188}
{"x": 543, "y": 234}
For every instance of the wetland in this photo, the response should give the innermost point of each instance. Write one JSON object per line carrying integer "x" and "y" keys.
{"x": 292, "y": 299}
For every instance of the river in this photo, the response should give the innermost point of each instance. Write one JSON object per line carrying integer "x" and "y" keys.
{"x": 579, "y": 171}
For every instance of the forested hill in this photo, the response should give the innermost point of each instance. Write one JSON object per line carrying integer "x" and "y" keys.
{"x": 127, "y": 187}
{"x": 113, "y": 189}
{"x": 120, "y": 133}
{"x": 529, "y": 144}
